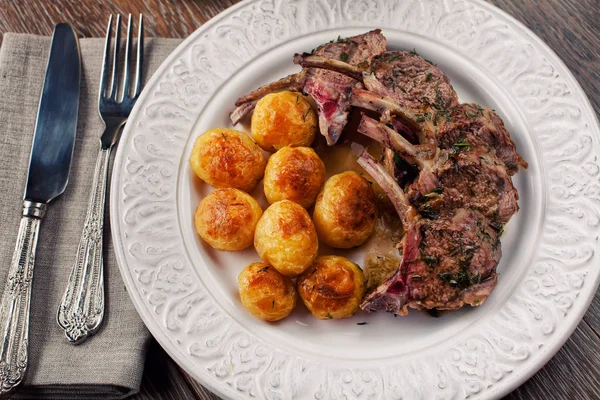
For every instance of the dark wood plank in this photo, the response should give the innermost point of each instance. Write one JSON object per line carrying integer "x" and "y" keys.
{"x": 164, "y": 18}
{"x": 163, "y": 379}
{"x": 570, "y": 28}
{"x": 571, "y": 374}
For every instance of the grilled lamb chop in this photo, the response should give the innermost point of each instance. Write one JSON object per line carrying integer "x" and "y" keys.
{"x": 400, "y": 75}
{"x": 460, "y": 177}
{"x": 465, "y": 124}
{"x": 446, "y": 263}
{"x": 330, "y": 90}
{"x": 404, "y": 84}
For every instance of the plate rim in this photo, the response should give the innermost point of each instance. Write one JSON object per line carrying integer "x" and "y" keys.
{"x": 542, "y": 357}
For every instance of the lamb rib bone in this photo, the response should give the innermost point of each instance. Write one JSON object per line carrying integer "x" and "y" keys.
{"x": 443, "y": 172}
{"x": 446, "y": 263}
{"x": 245, "y": 104}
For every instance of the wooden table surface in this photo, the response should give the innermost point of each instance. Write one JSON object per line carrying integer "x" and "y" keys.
{"x": 570, "y": 28}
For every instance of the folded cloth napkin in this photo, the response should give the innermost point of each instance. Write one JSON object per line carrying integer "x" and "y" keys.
{"x": 109, "y": 364}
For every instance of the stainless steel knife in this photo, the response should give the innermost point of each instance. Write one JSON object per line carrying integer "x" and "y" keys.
{"x": 49, "y": 166}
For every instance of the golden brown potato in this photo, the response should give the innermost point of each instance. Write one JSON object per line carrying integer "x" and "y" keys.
{"x": 333, "y": 287}
{"x": 266, "y": 293}
{"x": 346, "y": 211}
{"x": 227, "y": 158}
{"x": 285, "y": 238}
{"x": 296, "y": 174}
{"x": 283, "y": 119}
{"x": 226, "y": 219}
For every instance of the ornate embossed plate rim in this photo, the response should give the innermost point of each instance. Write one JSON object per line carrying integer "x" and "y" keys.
{"x": 158, "y": 325}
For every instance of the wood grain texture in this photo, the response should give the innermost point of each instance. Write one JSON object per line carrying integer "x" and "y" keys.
{"x": 570, "y": 28}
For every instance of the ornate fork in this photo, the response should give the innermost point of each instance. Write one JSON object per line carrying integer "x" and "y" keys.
{"x": 81, "y": 310}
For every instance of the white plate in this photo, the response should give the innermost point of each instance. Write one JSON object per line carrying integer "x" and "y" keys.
{"x": 187, "y": 295}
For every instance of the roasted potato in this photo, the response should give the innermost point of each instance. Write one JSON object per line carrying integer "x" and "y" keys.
{"x": 296, "y": 174}
{"x": 285, "y": 238}
{"x": 227, "y": 158}
{"x": 226, "y": 219}
{"x": 333, "y": 287}
{"x": 346, "y": 211}
{"x": 266, "y": 293}
{"x": 283, "y": 119}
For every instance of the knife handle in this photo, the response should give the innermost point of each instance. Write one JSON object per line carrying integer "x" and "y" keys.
{"x": 81, "y": 310}
{"x": 16, "y": 299}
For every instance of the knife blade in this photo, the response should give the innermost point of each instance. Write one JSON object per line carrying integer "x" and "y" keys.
{"x": 56, "y": 123}
{"x": 49, "y": 166}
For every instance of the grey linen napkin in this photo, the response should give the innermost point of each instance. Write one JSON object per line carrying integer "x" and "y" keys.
{"x": 111, "y": 363}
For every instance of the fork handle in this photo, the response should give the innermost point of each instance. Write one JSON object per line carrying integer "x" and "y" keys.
{"x": 81, "y": 310}
{"x": 16, "y": 299}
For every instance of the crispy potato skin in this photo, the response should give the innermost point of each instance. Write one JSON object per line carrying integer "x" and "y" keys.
{"x": 285, "y": 238}
{"x": 296, "y": 174}
{"x": 226, "y": 219}
{"x": 346, "y": 211}
{"x": 283, "y": 119}
{"x": 227, "y": 158}
{"x": 333, "y": 287}
{"x": 266, "y": 293}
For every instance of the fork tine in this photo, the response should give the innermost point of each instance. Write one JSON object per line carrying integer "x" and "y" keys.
{"x": 115, "y": 75}
{"x": 126, "y": 88}
{"x": 140, "y": 57}
{"x": 105, "y": 62}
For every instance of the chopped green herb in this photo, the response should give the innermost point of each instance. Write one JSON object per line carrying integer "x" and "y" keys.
{"x": 414, "y": 53}
{"x": 264, "y": 269}
{"x": 439, "y": 101}
{"x": 445, "y": 276}
{"x": 297, "y": 99}
{"x": 344, "y": 57}
{"x": 394, "y": 58}
{"x": 428, "y": 77}
{"x": 474, "y": 114}
{"x": 305, "y": 114}
{"x": 427, "y": 211}
{"x": 431, "y": 260}
{"x": 423, "y": 117}
{"x": 476, "y": 301}
{"x": 273, "y": 304}
{"x": 436, "y": 191}
{"x": 475, "y": 279}
{"x": 329, "y": 316}
{"x": 496, "y": 225}
{"x": 224, "y": 137}
{"x": 462, "y": 278}
{"x": 462, "y": 144}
